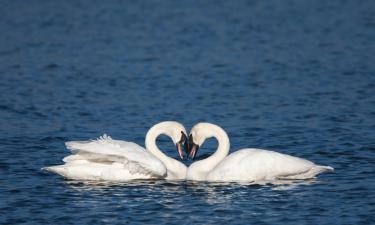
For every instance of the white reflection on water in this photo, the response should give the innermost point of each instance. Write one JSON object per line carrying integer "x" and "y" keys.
{"x": 82, "y": 185}
{"x": 171, "y": 194}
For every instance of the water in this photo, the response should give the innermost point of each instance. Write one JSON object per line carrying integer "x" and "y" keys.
{"x": 291, "y": 76}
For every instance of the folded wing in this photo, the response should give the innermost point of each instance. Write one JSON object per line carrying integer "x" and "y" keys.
{"x": 105, "y": 157}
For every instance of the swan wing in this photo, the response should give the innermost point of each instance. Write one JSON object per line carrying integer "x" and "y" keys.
{"x": 88, "y": 170}
{"x": 105, "y": 150}
{"x": 258, "y": 164}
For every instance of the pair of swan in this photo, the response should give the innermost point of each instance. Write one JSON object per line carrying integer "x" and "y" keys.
{"x": 114, "y": 160}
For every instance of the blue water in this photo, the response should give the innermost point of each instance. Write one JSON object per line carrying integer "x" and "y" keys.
{"x": 296, "y": 77}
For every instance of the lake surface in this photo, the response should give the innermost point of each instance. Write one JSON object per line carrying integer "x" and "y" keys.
{"x": 297, "y": 77}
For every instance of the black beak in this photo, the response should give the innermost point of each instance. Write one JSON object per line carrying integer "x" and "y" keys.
{"x": 193, "y": 148}
{"x": 182, "y": 144}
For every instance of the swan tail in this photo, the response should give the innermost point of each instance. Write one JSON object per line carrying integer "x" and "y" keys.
{"x": 318, "y": 170}
{"x": 311, "y": 173}
{"x": 325, "y": 168}
{"x": 61, "y": 170}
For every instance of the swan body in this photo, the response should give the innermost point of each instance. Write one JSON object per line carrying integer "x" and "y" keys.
{"x": 246, "y": 164}
{"x": 261, "y": 165}
{"x": 115, "y": 160}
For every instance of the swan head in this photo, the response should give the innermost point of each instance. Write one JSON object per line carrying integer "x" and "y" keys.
{"x": 178, "y": 134}
{"x": 172, "y": 129}
{"x": 198, "y": 134}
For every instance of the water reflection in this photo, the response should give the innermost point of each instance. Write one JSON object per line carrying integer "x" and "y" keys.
{"x": 228, "y": 193}
{"x": 165, "y": 194}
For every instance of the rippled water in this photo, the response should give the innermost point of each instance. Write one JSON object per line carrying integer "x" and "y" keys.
{"x": 296, "y": 77}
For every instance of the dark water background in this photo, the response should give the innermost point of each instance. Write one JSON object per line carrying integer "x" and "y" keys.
{"x": 296, "y": 77}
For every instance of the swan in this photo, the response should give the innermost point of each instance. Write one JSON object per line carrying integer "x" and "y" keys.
{"x": 114, "y": 160}
{"x": 250, "y": 164}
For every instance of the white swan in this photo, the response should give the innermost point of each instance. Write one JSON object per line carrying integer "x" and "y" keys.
{"x": 114, "y": 160}
{"x": 245, "y": 164}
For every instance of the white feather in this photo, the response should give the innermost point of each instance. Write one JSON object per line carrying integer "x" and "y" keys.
{"x": 258, "y": 164}
{"x": 108, "y": 159}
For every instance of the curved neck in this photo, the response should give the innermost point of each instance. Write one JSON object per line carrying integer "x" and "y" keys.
{"x": 206, "y": 165}
{"x": 150, "y": 142}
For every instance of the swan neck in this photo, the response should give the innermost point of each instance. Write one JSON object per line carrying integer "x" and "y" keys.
{"x": 150, "y": 143}
{"x": 175, "y": 169}
{"x": 222, "y": 149}
{"x": 200, "y": 170}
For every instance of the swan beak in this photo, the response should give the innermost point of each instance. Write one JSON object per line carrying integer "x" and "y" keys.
{"x": 193, "y": 151}
{"x": 181, "y": 144}
{"x": 179, "y": 149}
{"x": 193, "y": 148}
